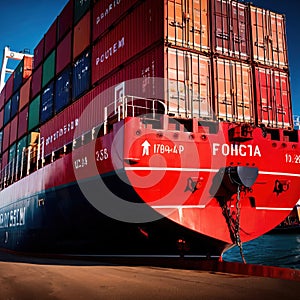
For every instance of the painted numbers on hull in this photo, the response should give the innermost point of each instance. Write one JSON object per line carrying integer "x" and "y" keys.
{"x": 161, "y": 149}
{"x": 13, "y": 218}
{"x": 292, "y": 158}
{"x": 235, "y": 150}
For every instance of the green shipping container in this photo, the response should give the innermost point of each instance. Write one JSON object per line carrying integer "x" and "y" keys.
{"x": 12, "y": 153}
{"x": 34, "y": 113}
{"x": 80, "y": 8}
{"x": 20, "y": 146}
{"x": 48, "y": 69}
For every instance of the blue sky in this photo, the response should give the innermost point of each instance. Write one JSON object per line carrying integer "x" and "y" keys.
{"x": 23, "y": 24}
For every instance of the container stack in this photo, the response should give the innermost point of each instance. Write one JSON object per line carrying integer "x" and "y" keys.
{"x": 224, "y": 60}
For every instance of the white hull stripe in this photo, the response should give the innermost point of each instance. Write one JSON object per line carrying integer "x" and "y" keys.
{"x": 202, "y": 170}
{"x": 203, "y": 206}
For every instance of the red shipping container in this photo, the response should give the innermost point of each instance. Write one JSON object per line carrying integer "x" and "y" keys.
{"x": 233, "y": 90}
{"x": 230, "y": 25}
{"x": 23, "y": 120}
{"x": 81, "y": 35}
{"x": 2, "y": 97}
{"x": 106, "y": 12}
{"x": 1, "y": 119}
{"x": 25, "y": 93}
{"x": 273, "y": 98}
{"x": 50, "y": 38}
{"x": 269, "y": 38}
{"x": 6, "y": 133}
{"x": 36, "y": 83}
{"x": 65, "y": 20}
{"x": 187, "y": 24}
{"x": 13, "y": 130}
{"x": 137, "y": 31}
{"x": 63, "y": 53}
{"x": 38, "y": 53}
{"x": 9, "y": 87}
{"x": 4, "y": 161}
{"x": 189, "y": 80}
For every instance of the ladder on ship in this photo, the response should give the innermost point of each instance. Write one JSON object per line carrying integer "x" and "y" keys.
{"x": 7, "y": 55}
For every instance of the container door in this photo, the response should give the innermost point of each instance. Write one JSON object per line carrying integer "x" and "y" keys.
{"x": 233, "y": 93}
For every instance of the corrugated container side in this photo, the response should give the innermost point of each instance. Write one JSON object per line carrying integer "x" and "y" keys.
{"x": 9, "y": 87}
{"x": 2, "y": 97}
{"x": 106, "y": 12}
{"x": 34, "y": 113}
{"x": 38, "y": 53}
{"x": 187, "y": 24}
{"x": 47, "y": 103}
{"x": 7, "y": 111}
{"x": 15, "y": 104}
{"x": 6, "y": 132}
{"x": 63, "y": 53}
{"x": 230, "y": 24}
{"x": 36, "y": 83}
{"x": 80, "y": 8}
{"x": 22, "y": 72}
{"x": 65, "y": 20}
{"x": 137, "y": 31}
{"x": 23, "y": 122}
{"x": 48, "y": 69}
{"x": 21, "y": 145}
{"x": 81, "y": 75}
{"x": 189, "y": 84}
{"x": 1, "y": 118}
{"x": 13, "y": 130}
{"x": 4, "y": 159}
{"x": 273, "y": 98}
{"x": 25, "y": 93}
{"x": 59, "y": 131}
{"x": 269, "y": 38}
{"x": 50, "y": 38}
{"x": 233, "y": 99}
{"x": 62, "y": 90}
{"x": 81, "y": 35}
{"x": 1, "y": 140}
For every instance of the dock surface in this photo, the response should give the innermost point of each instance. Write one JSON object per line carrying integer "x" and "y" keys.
{"x": 40, "y": 278}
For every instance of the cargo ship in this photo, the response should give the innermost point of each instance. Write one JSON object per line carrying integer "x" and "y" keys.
{"x": 149, "y": 127}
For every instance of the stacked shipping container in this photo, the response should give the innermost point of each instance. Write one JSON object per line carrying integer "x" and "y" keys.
{"x": 223, "y": 60}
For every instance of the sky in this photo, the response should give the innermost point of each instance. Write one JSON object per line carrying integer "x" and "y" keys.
{"x": 24, "y": 23}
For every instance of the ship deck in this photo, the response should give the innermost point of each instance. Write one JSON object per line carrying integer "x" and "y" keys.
{"x": 24, "y": 277}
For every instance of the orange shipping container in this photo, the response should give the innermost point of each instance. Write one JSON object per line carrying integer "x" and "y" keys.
{"x": 273, "y": 98}
{"x": 233, "y": 90}
{"x": 187, "y": 24}
{"x": 81, "y": 35}
{"x": 189, "y": 84}
{"x": 269, "y": 38}
{"x": 24, "y": 94}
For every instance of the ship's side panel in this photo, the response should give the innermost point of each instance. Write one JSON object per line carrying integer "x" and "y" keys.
{"x": 187, "y": 24}
{"x": 65, "y": 20}
{"x": 63, "y": 53}
{"x": 269, "y": 38}
{"x": 22, "y": 125}
{"x": 233, "y": 90}
{"x": 189, "y": 84}
{"x": 120, "y": 44}
{"x": 25, "y": 93}
{"x": 273, "y": 98}
{"x": 50, "y": 38}
{"x": 81, "y": 35}
{"x": 106, "y": 12}
{"x": 39, "y": 53}
{"x": 230, "y": 25}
